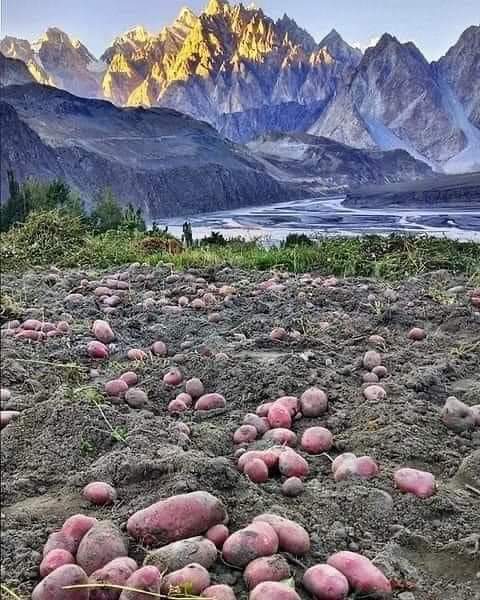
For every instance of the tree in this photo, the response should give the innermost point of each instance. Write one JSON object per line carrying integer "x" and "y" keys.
{"x": 18, "y": 205}
{"x": 58, "y": 194}
{"x": 133, "y": 219}
{"x": 107, "y": 214}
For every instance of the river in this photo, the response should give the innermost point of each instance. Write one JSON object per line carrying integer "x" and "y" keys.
{"x": 328, "y": 216}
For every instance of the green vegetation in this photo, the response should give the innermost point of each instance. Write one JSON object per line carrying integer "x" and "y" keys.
{"x": 59, "y": 232}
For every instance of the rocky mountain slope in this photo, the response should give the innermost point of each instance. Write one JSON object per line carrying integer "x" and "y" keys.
{"x": 248, "y": 75}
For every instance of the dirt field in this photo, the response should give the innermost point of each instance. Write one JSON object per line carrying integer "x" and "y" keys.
{"x": 61, "y": 440}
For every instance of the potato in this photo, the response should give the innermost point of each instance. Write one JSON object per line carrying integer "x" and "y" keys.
{"x": 183, "y": 301}
{"x": 457, "y": 416}
{"x": 245, "y": 545}
{"x": 262, "y": 410}
{"x": 291, "y": 403}
{"x": 279, "y": 416}
{"x": 370, "y": 378}
{"x": 292, "y": 537}
{"x": 313, "y": 402}
{"x": 30, "y": 334}
{"x": 159, "y": 349}
{"x": 174, "y": 377}
{"x": 347, "y": 465}
{"x": 210, "y": 402}
{"x": 476, "y": 413}
{"x": 99, "y": 493}
{"x": 278, "y": 334}
{"x": 255, "y": 421}
{"x": 272, "y": 590}
{"x": 361, "y": 573}
{"x": 176, "y": 518}
{"x": 97, "y": 350}
{"x": 371, "y": 360}
{"x": 177, "y": 406}
{"x": 147, "y": 579}
{"x": 185, "y": 398}
{"x": 256, "y": 470}
{"x": 116, "y": 388}
{"x": 130, "y": 378}
{"x": 380, "y": 371}
{"x": 136, "y": 354}
{"x": 374, "y": 393}
{"x": 116, "y": 572}
{"x": 179, "y": 554}
{"x": 6, "y": 416}
{"x": 413, "y": 481}
{"x": 55, "y": 559}
{"x": 268, "y": 458}
{"x": 100, "y": 545}
{"x": 198, "y": 304}
{"x": 193, "y": 578}
{"x": 266, "y": 568}
{"x": 417, "y": 334}
{"x": 75, "y": 528}
{"x": 32, "y": 325}
{"x": 5, "y": 395}
{"x": 194, "y": 388}
{"x": 51, "y": 588}
{"x": 58, "y": 541}
{"x": 291, "y": 464}
{"x": 245, "y": 434}
{"x": 218, "y": 534}
{"x": 279, "y": 435}
{"x": 218, "y": 592}
{"x": 325, "y": 583}
{"x": 316, "y": 440}
{"x": 292, "y": 487}
{"x": 136, "y": 398}
{"x": 103, "y": 332}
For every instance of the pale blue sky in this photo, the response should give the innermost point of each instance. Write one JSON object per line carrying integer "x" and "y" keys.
{"x": 434, "y": 25}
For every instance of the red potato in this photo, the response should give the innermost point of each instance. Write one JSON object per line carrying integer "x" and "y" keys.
{"x": 130, "y": 378}
{"x": 32, "y": 325}
{"x": 136, "y": 398}
{"x": 136, "y": 354}
{"x": 100, "y": 545}
{"x": 374, "y": 393}
{"x": 5, "y": 395}
{"x": 55, "y": 559}
{"x": 313, "y": 402}
{"x": 210, "y": 402}
{"x": 256, "y": 470}
{"x": 245, "y": 545}
{"x": 316, "y": 440}
{"x": 6, "y": 416}
{"x": 292, "y": 487}
{"x": 103, "y": 332}
{"x": 366, "y": 467}
{"x": 185, "y": 398}
{"x": 361, "y": 573}
{"x": 178, "y": 555}
{"x": 380, "y": 371}
{"x": 245, "y": 434}
{"x": 292, "y": 537}
{"x": 279, "y": 435}
{"x": 116, "y": 572}
{"x": 417, "y": 334}
{"x": 47, "y": 327}
{"x": 279, "y": 416}
{"x": 262, "y": 410}
{"x": 278, "y": 334}
{"x": 218, "y": 534}
{"x": 176, "y": 518}
{"x": 371, "y": 360}
{"x": 198, "y": 304}
{"x": 291, "y": 403}
{"x": 58, "y": 541}
{"x": 266, "y": 456}
{"x": 413, "y": 481}
{"x": 75, "y": 528}
{"x": 370, "y": 378}
{"x": 348, "y": 465}
{"x": 193, "y": 578}
{"x": 99, "y": 493}
{"x": 30, "y": 334}
{"x": 116, "y": 388}
{"x": 326, "y": 583}
{"x": 174, "y": 377}
{"x": 159, "y": 349}
{"x": 476, "y": 413}
{"x": 194, "y": 388}
{"x": 341, "y": 458}
{"x": 291, "y": 464}
{"x": 97, "y": 350}
{"x": 272, "y": 590}
{"x": 51, "y": 588}
{"x": 183, "y": 301}
{"x": 457, "y": 416}
{"x": 266, "y": 568}
{"x": 218, "y": 592}
{"x": 255, "y": 421}
{"x": 177, "y": 406}
{"x": 147, "y": 579}
{"x": 102, "y": 291}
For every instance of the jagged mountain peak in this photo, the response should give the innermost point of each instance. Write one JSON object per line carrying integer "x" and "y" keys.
{"x": 339, "y": 49}
{"x": 186, "y": 16}
{"x": 216, "y": 7}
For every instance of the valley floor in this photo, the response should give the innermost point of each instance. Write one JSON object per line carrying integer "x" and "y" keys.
{"x": 64, "y": 435}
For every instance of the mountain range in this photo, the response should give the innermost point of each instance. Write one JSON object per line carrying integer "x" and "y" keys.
{"x": 249, "y": 75}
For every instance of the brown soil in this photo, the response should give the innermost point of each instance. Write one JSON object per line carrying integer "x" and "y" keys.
{"x": 428, "y": 548}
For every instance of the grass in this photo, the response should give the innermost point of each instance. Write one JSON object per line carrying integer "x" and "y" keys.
{"x": 392, "y": 257}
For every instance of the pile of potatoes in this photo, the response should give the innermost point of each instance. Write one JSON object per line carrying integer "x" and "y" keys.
{"x": 88, "y": 559}
{"x": 34, "y": 330}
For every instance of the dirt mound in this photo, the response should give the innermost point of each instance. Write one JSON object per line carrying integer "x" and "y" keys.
{"x": 68, "y": 433}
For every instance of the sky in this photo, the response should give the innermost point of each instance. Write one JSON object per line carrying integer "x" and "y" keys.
{"x": 434, "y": 25}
